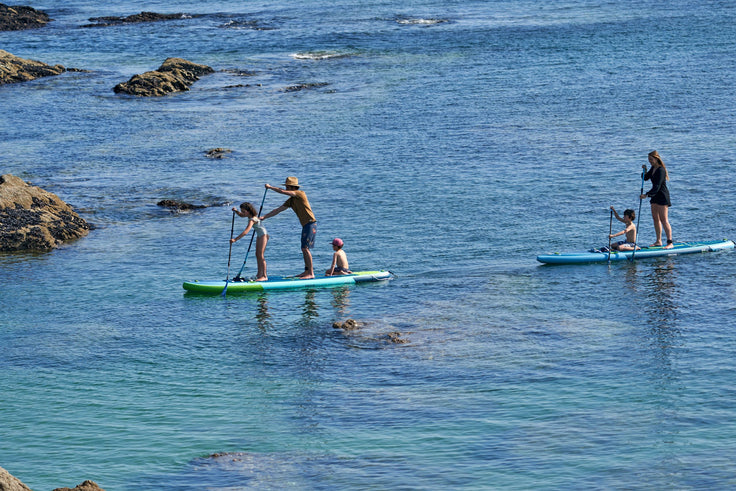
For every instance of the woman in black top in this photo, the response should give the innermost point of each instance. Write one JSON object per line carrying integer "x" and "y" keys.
{"x": 660, "y": 198}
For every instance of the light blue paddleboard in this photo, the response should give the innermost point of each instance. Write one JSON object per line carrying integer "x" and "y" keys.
{"x": 644, "y": 252}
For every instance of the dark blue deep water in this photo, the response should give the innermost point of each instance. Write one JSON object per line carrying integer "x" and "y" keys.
{"x": 450, "y": 142}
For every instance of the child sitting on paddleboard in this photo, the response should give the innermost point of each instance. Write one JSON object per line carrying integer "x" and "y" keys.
{"x": 630, "y": 231}
{"x": 247, "y": 210}
{"x": 339, "y": 264}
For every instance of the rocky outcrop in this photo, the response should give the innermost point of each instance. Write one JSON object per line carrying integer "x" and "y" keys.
{"x": 175, "y": 205}
{"x": 217, "y": 153}
{"x": 19, "y": 17}
{"x": 8, "y": 482}
{"x": 300, "y": 87}
{"x": 34, "y": 219}
{"x": 14, "y": 69}
{"x": 348, "y": 325}
{"x": 132, "y": 19}
{"x": 85, "y": 486}
{"x": 174, "y": 75}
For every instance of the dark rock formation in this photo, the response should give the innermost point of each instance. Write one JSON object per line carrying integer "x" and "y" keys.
{"x": 178, "y": 205}
{"x": 85, "y": 486}
{"x": 298, "y": 87}
{"x": 14, "y": 69}
{"x": 217, "y": 153}
{"x": 395, "y": 337}
{"x": 34, "y": 219}
{"x": 174, "y": 75}
{"x": 132, "y": 19}
{"x": 348, "y": 325}
{"x": 18, "y": 18}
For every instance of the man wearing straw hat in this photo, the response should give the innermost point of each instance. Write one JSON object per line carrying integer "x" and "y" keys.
{"x": 300, "y": 204}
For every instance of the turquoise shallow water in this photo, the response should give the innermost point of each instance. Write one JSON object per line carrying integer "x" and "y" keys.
{"x": 453, "y": 143}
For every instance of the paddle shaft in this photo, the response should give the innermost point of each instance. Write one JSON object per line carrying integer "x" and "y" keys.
{"x": 230, "y": 253}
{"x": 610, "y": 231}
{"x": 252, "y": 235}
{"x": 638, "y": 214}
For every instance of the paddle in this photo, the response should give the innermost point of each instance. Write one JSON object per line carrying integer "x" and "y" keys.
{"x": 237, "y": 276}
{"x": 638, "y": 215}
{"x": 610, "y": 231}
{"x": 229, "y": 255}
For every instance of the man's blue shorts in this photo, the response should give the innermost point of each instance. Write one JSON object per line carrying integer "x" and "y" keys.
{"x": 309, "y": 232}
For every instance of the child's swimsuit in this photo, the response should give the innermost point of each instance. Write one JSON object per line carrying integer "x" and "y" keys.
{"x": 258, "y": 227}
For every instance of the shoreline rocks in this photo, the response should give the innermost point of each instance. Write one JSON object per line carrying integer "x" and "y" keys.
{"x": 32, "y": 219}
{"x": 174, "y": 75}
{"x": 19, "y": 17}
{"x": 14, "y": 69}
{"x": 9, "y": 482}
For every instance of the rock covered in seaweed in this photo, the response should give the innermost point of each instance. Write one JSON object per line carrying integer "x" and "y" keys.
{"x": 19, "y": 17}
{"x": 15, "y": 69}
{"x": 174, "y": 75}
{"x": 34, "y": 219}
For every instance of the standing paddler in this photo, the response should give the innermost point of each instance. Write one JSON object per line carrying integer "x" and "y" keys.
{"x": 300, "y": 204}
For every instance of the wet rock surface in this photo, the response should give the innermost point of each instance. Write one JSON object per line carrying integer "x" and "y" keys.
{"x": 348, "y": 325}
{"x": 18, "y": 18}
{"x": 85, "y": 486}
{"x": 133, "y": 19}
{"x": 8, "y": 482}
{"x": 176, "y": 205}
{"x": 32, "y": 219}
{"x": 217, "y": 153}
{"x": 14, "y": 69}
{"x": 174, "y": 75}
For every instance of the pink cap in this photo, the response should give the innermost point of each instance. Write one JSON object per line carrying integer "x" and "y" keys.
{"x": 337, "y": 242}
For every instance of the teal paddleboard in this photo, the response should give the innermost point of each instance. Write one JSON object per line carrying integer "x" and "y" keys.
{"x": 644, "y": 252}
{"x": 286, "y": 283}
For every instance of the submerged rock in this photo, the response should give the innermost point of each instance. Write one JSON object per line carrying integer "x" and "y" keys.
{"x": 32, "y": 219}
{"x": 395, "y": 337}
{"x": 217, "y": 153}
{"x": 18, "y": 17}
{"x": 299, "y": 87}
{"x": 14, "y": 69}
{"x": 348, "y": 325}
{"x": 174, "y": 75}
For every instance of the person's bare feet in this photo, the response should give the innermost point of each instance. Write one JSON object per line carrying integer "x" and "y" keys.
{"x": 656, "y": 244}
{"x": 262, "y": 278}
{"x": 669, "y": 245}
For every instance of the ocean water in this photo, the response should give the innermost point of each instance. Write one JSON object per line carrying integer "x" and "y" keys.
{"x": 449, "y": 142}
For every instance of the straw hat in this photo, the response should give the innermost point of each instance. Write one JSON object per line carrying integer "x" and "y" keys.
{"x": 292, "y": 181}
